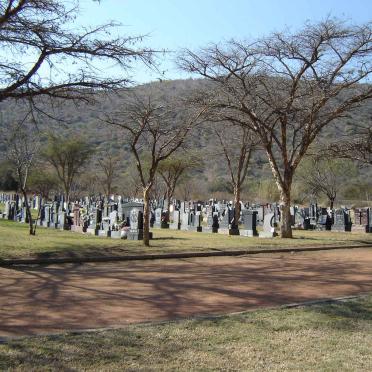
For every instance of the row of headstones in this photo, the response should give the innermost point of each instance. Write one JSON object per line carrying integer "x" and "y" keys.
{"x": 104, "y": 217}
{"x": 219, "y": 219}
{"x": 342, "y": 219}
{"x": 98, "y": 217}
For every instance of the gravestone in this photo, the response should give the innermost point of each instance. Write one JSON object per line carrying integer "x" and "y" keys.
{"x": 361, "y": 222}
{"x": 185, "y": 220}
{"x": 46, "y": 221}
{"x": 195, "y": 222}
{"x": 268, "y": 226}
{"x": 76, "y": 220}
{"x": 176, "y": 224}
{"x": 212, "y": 222}
{"x": 224, "y": 224}
{"x": 249, "y": 219}
{"x": 342, "y": 221}
{"x": 113, "y": 216}
{"x": 62, "y": 221}
{"x": 136, "y": 225}
{"x": 369, "y": 221}
{"x": 94, "y": 221}
{"x": 324, "y": 222}
{"x": 158, "y": 214}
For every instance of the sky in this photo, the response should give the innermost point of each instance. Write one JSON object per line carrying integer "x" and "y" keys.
{"x": 177, "y": 24}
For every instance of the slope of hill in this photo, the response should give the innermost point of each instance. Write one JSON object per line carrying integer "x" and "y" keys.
{"x": 84, "y": 119}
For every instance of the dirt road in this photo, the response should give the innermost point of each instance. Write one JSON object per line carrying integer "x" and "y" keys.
{"x": 50, "y": 299}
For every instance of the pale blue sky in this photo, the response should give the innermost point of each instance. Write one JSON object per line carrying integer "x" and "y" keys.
{"x": 194, "y": 23}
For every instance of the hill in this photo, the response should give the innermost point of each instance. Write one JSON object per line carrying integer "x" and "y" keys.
{"x": 84, "y": 119}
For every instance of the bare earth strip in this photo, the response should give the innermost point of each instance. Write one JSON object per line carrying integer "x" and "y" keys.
{"x": 35, "y": 300}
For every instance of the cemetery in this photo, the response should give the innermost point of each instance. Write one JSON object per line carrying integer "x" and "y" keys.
{"x": 185, "y": 186}
{"x": 192, "y": 226}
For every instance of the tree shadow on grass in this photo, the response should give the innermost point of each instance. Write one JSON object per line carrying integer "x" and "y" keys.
{"x": 170, "y": 238}
{"x": 356, "y": 309}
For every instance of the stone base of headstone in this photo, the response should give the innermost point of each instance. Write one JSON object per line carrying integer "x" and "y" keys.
{"x": 308, "y": 226}
{"x": 341, "y": 228}
{"x": 104, "y": 233}
{"x": 115, "y": 234}
{"x": 210, "y": 230}
{"x": 321, "y": 227}
{"x": 249, "y": 233}
{"x": 266, "y": 234}
{"x": 228, "y": 231}
{"x": 359, "y": 228}
{"x": 161, "y": 225}
{"x": 368, "y": 229}
{"x": 76, "y": 228}
{"x": 53, "y": 225}
{"x": 136, "y": 235}
{"x": 64, "y": 227}
{"x": 175, "y": 226}
{"x": 196, "y": 229}
{"x": 92, "y": 231}
{"x": 234, "y": 232}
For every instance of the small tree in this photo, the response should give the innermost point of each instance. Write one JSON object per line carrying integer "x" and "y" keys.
{"x": 237, "y": 144}
{"x": 42, "y": 182}
{"x": 22, "y": 148}
{"x": 67, "y": 156}
{"x": 155, "y": 131}
{"x": 109, "y": 164}
{"x": 325, "y": 176}
{"x": 173, "y": 169}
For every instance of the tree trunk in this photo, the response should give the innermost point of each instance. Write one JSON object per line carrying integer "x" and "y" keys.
{"x": 236, "y": 206}
{"x": 146, "y": 216}
{"x": 286, "y": 223}
{"x": 331, "y": 202}
{"x": 67, "y": 193}
{"x": 28, "y": 213}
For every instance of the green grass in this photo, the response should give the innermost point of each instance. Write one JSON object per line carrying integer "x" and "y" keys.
{"x": 15, "y": 242}
{"x": 327, "y": 337}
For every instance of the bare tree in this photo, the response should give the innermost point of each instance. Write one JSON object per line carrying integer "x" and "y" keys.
{"x": 155, "y": 131}
{"x": 22, "y": 149}
{"x": 324, "y": 175}
{"x": 172, "y": 169}
{"x": 287, "y": 87}
{"x": 109, "y": 163}
{"x": 237, "y": 143}
{"x": 43, "y": 53}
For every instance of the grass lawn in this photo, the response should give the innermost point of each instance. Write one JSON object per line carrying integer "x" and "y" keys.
{"x": 327, "y": 337}
{"x": 15, "y": 242}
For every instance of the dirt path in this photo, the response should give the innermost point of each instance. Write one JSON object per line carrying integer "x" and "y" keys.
{"x": 50, "y": 299}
